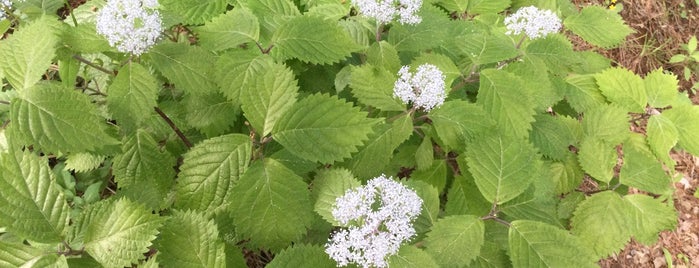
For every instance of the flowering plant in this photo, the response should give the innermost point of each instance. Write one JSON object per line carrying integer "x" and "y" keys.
{"x": 218, "y": 132}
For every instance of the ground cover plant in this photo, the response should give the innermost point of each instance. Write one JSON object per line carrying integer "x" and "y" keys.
{"x": 329, "y": 133}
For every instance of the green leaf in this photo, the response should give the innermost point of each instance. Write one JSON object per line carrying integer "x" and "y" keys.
{"x": 425, "y": 35}
{"x": 424, "y": 156}
{"x": 435, "y": 174}
{"x": 502, "y": 166}
{"x": 83, "y": 162}
{"x": 331, "y": 10}
{"x": 194, "y": 11}
{"x": 312, "y": 39}
{"x": 17, "y": 255}
{"x": 583, "y": 93}
{"x": 457, "y": 122}
{"x": 31, "y": 206}
{"x": 142, "y": 164}
{"x": 483, "y": 48}
{"x": 377, "y": 152}
{"x": 412, "y": 257}
{"x": 443, "y": 63}
{"x": 537, "y": 82}
{"x": 302, "y": 256}
{"x": 235, "y": 70}
{"x": 323, "y": 129}
{"x": 487, "y": 6}
{"x": 644, "y": 172}
{"x": 84, "y": 38}
{"x": 598, "y": 26}
{"x": 271, "y": 14}
{"x": 211, "y": 113}
{"x": 567, "y": 174}
{"x": 383, "y": 54}
{"x": 229, "y": 30}
{"x": 455, "y": 241}
{"x": 552, "y": 136}
{"x": 458, "y": 6}
{"x": 189, "y": 238}
{"x": 463, "y": 197}
{"x": 210, "y": 170}
{"x": 430, "y": 205}
{"x": 328, "y": 185}
{"x": 624, "y": 88}
{"x": 59, "y": 119}
{"x": 491, "y": 257}
{"x": 598, "y": 159}
{"x": 609, "y": 123}
{"x": 188, "y": 67}
{"x": 686, "y": 120}
{"x": 120, "y": 232}
{"x": 501, "y": 95}
{"x": 661, "y": 88}
{"x": 536, "y": 244}
{"x": 132, "y": 95}
{"x": 271, "y": 93}
{"x": 555, "y": 50}
{"x": 602, "y": 224}
{"x": 263, "y": 212}
{"x": 662, "y": 135}
{"x": 374, "y": 86}
{"x": 651, "y": 217}
{"x": 27, "y": 53}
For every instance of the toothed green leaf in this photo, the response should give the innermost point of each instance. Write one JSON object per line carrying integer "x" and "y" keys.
{"x": 188, "y": 238}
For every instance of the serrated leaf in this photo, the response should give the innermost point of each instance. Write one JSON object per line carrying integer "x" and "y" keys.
{"x": 598, "y": 159}
{"x": 609, "y": 123}
{"x": 455, "y": 241}
{"x": 374, "y": 86}
{"x": 536, "y": 244}
{"x": 483, "y": 48}
{"x": 457, "y": 122}
{"x": 552, "y": 136}
{"x": 598, "y": 26}
{"x": 31, "y": 206}
{"x": 271, "y": 14}
{"x": 188, "y": 67}
{"x": 662, "y": 135}
{"x": 424, "y": 156}
{"x": 235, "y": 70}
{"x": 463, "y": 197}
{"x": 330, "y": 10}
{"x": 537, "y": 82}
{"x": 83, "y": 162}
{"x": 623, "y": 88}
{"x": 651, "y": 217}
{"x": 555, "y": 50}
{"x": 322, "y": 129}
{"x": 487, "y": 6}
{"x": 142, "y": 163}
{"x": 329, "y": 185}
{"x": 458, "y": 6}
{"x": 424, "y": 35}
{"x": 190, "y": 238}
{"x": 583, "y": 94}
{"x": 271, "y": 93}
{"x": 501, "y": 95}
{"x": 686, "y": 120}
{"x": 120, "y": 232}
{"x": 312, "y": 39}
{"x": 502, "y": 166}
{"x": 210, "y": 170}
{"x": 602, "y": 224}
{"x": 435, "y": 174}
{"x": 263, "y": 212}
{"x": 643, "y": 172}
{"x": 132, "y": 95}
{"x": 59, "y": 119}
{"x": 84, "y": 38}
{"x": 661, "y": 88}
{"x": 377, "y": 152}
{"x": 491, "y": 257}
{"x": 302, "y": 256}
{"x": 567, "y": 174}
{"x": 16, "y": 255}
{"x": 212, "y": 113}
{"x": 229, "y": 30}
{"x": 383, "y": 54}
{"x": 195, "y": 11}
{"x": 27, "y": 53}
{"x": 412, "y": 257}
{"x": 430, "y": 205}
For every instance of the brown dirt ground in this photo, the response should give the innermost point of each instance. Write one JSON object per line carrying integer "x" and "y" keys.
{"x": 661, "y": 26}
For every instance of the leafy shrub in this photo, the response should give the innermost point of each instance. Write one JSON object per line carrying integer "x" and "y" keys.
{"x": 239, "y": 129}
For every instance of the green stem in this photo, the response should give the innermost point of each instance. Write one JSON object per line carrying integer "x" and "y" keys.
{"x": 92, "y": 64}
{"x": 70, "y": 10}
{"x": 4, "y": 102}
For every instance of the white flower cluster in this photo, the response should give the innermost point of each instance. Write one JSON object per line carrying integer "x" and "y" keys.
{"x": 5, "y": 5}
{"x": 425, "y": 89}
{"x": 533, "y": 22}
{"x": 379, "y": 218}
{"x": 132, "y": 26}
{"x": 384, "y": 11}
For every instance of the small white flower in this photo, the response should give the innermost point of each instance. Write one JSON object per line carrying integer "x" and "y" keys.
{"x": 425, "y": 89}
{"x": 378, "y": 218}
{"x": 132, "y": 26}
{"x": 533, "y": 22}
{"x": 5, "y": 5}
{"x": 385, "y": 11}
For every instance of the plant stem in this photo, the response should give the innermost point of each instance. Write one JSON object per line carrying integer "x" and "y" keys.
{"x": 520, "y": 41}
{"x": 92, "y": 64}
{"x": 174, "y": 127}
{"x": 70, "y": 10}
{"x": 496, "y": 219}
{"x": 379, "y": 29}
{"x": 4, "y": 102}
